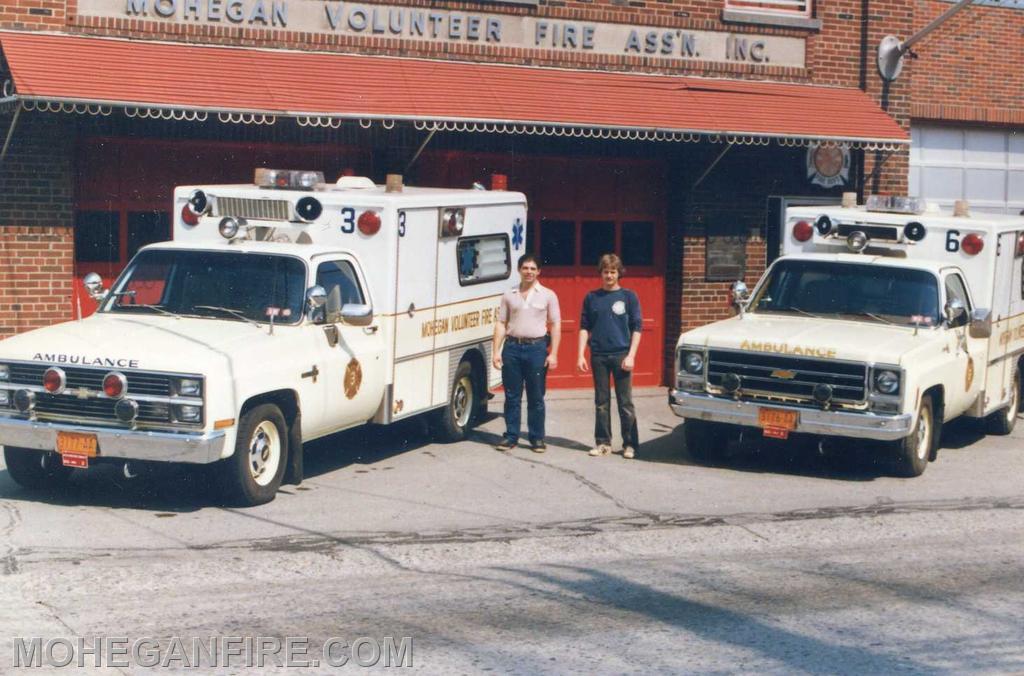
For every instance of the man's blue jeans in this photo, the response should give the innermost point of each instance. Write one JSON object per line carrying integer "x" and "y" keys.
{"x": 523, "y": 364}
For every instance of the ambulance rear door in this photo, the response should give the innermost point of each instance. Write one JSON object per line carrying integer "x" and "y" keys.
{"x": 1007, "y": 340}
{"x": 416, "y": 322}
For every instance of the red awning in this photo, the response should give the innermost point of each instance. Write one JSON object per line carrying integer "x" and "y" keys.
{"x": 315, "y": 86}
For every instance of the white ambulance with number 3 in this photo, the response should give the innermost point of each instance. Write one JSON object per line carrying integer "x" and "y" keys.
{"x": 283, "y": 311}
{"x": 878, "y": 323}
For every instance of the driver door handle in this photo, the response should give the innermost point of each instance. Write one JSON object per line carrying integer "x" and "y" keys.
{"x": 370, "y": 329}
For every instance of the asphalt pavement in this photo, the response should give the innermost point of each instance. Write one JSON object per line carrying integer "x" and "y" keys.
{"x": 774, "y": 558}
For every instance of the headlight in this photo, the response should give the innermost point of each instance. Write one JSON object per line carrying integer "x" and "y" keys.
{"x": 5, "y": 398}
{"x": 5, "y": 372}
{"x": 693, "y": 362}
{"x": 189, "y": 387}
{"x": 189, "y": 414}
{"x": 887, "y": 382}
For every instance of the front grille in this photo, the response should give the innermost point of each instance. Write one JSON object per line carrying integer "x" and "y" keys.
{"x": 151, "y": 384}
{"x": 257, "y": 210}
{"x": 756, "y": 369}
{"x": 92, "y": 406}
{"x": 97, "y": 409}
{"x": 876, "y": 232}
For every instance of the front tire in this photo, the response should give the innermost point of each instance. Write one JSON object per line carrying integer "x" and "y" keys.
{"x": 252, "y": 475}
{"x": 1004, "y": 420}
{"x": 914, "y": 451}
{"x": 451, "y": 423}
{"x": 35, "y": 469}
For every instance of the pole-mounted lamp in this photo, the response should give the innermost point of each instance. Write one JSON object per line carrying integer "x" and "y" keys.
{"x": 891, "y": 49}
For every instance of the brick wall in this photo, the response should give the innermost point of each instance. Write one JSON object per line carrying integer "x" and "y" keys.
{"x": 36, "y": 269}
{"x": 969, "y": 69}
{"x": 36, "y": 242}
{"x": 33, "y": 14}
{"x": 36, "y": 176}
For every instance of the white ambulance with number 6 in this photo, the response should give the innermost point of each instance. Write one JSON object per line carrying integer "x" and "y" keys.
{"x": 880, "y": 322}
{"x": 283, "y": 311}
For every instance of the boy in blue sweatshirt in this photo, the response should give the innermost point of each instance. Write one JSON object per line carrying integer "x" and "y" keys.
{"x": 610, "y": 324}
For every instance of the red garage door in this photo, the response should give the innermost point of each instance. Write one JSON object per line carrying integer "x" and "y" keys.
{"x": 579, "y": 209}
{"x": 125, "y": 188}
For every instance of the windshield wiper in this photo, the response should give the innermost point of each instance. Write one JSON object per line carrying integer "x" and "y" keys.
{"x": 790, "y": 308}
{"x": 872, "y": 315}
{"x": 159, "y": 308}
{"x": 237, "y": 314}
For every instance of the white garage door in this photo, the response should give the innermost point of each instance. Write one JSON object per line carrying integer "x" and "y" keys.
{"x": 983, "y": 166}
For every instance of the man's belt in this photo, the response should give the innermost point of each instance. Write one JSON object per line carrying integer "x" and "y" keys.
{"x": 525, "y": 341}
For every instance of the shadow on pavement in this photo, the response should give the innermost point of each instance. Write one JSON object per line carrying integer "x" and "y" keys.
{"x": 177, "y": 489}
{"x": 553, "y": 442}
{"x": 961, "y": 433}
{"x": 612, "y": 599}
{"x": 800, "y": 455}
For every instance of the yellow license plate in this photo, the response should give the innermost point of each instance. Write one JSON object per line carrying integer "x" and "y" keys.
{"x": 77, "y": 443}
{"x": 777, "y": 418}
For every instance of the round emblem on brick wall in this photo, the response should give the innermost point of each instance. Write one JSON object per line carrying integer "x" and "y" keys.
{"x": 828, "y": 165}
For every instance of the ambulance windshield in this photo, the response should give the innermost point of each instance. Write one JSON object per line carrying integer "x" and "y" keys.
{"x": 851, "y": 290}
{"x": 233, "y": 286}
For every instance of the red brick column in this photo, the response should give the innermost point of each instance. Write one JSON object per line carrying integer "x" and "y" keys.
{"x": 36, "y": 271}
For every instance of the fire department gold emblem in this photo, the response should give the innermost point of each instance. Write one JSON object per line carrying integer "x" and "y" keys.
{"x": 353, "y": 378}
{"x": 970, "y": 373}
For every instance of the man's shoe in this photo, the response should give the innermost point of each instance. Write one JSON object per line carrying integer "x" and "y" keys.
{"x": 505, "y": 445}
{"x": 628, "y": 453}
{"x": 538, "y": 446}
{"x": 601, "y": 449}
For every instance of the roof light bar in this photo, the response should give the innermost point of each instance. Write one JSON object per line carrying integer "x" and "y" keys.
{"x": 288, "y": 179}
{"x": 896, "y": 204}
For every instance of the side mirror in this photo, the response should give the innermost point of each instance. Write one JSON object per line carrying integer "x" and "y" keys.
{"x": 956, "y": 313}
{"x": 94, "y": 286}
{"x": 316, "y": 296}
{"x": 981, "y": 323}
{"x": 740, "y": 295}
{"x": 357, "y": 314}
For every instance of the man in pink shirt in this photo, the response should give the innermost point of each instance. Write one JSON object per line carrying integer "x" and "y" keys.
{"x": 527, "y": 314}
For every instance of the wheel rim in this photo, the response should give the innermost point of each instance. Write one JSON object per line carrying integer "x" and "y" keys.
{"x": 462, "y": 401}
{"x": 924, "y": 433}
{"x": 264, "y": 453}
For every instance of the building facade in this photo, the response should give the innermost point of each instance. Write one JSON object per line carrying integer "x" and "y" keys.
{"x": 672, "y": 133}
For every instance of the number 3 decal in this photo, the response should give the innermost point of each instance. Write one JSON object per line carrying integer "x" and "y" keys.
{"x": 952, "y": 243}
{"x": 401, "y": 224}
{"x": 348, "y": 224}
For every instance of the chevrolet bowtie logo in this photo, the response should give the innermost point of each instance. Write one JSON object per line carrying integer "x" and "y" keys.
{"x": 783, "y": 374}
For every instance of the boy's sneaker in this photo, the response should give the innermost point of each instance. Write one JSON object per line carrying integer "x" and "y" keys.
{"x": 628, "y": 453}
{"x": 601, "y": 449}
{"x": 505, "y": 445}
{"x": 538, "y": 446}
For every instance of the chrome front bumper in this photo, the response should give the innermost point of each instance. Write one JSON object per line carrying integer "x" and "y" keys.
{"x": 201, "y": 448}
{"x": 809, "y": 421}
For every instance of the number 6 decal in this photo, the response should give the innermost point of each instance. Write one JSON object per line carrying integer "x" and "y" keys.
{"x": 952, "y": 243}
